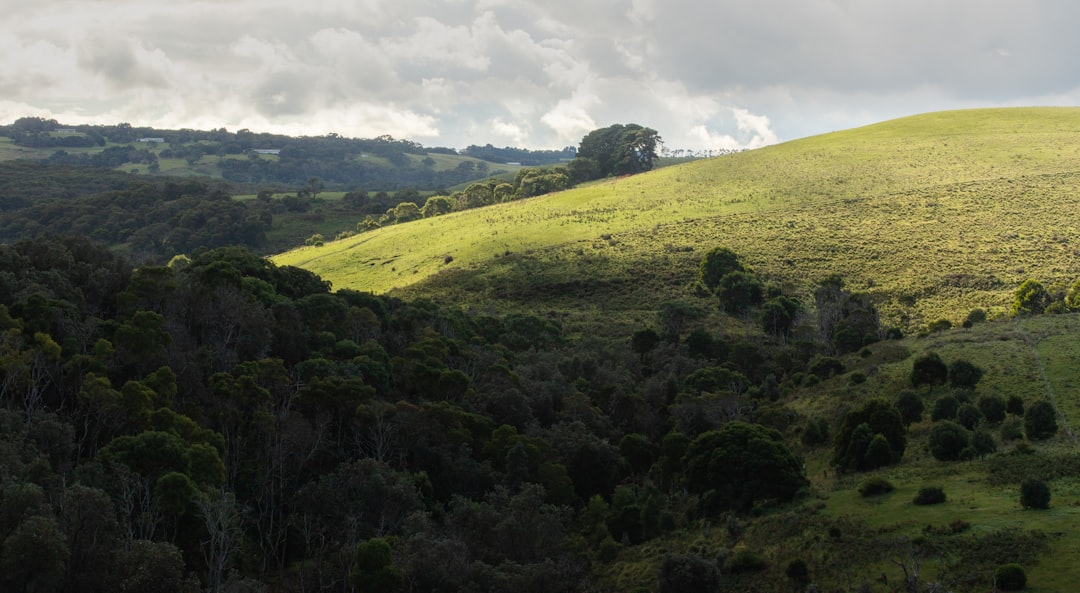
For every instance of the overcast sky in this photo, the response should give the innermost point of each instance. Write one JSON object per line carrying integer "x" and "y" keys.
{"x": 536, "y": 74}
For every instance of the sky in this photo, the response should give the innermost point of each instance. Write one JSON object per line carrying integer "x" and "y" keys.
{"x": 706, "y": 74}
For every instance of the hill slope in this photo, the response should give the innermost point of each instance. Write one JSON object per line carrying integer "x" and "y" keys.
{"x": 933, "y": 214}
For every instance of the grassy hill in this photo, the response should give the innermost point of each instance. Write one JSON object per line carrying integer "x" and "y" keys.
{"x": 933, "y": 214}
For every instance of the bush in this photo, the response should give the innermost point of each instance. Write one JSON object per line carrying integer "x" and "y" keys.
{"x": 992, "y": 408}
{"x": 746, "y": 560}
{"x": 1014, "y": 405}
{"x": 1034, "y": 494}
{"x": 930, "y": 370}
{"x": 910, "y": 406}
{"x": 982, "y": 441}
{"x": 1012, "y": 429}
{"x": 826, "y": 367}
{"x": 1040, "y": 421}
{"x": 680, "y": 573}
{"x": 875, "y": 486}
{"x": 975, "y": 316}
{"x": 948, "y": 440}
{"x": 930, "y": 495}
{"x": 856, "y": 378}
{"x": 945, "y": 408}
{"x": 969, "y": 416}
{"x": 964, "y": 375}
{"x": 1010, "y": 577}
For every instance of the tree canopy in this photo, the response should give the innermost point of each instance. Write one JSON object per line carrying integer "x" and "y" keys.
{"x": 620, "y": 149}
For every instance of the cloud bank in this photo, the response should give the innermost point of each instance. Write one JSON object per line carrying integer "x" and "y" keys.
{"x": 529, "y": 73}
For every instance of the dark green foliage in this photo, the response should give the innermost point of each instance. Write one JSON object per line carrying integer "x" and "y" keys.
{"x": 643, "y": 341}
{"x": 1012, "y": 429}
{"x": 681, "y": 573}
{"x": 939, "y": 325}
{"x": 1040, "y": 421}
{"x": 982, "y": 441}
{"x": 1030, "y": 298}
{"x": 974, "y": 316}
{"x": 930, "y": 495}
{"x": 969, "y": 416}
{"x": 1034, "y": 494}
{"x": 1010, "y": 577}
{"x": 929, "y": 370}
{"x": 713, "y": 379}
{"x": 1015, "y": 405}
{"x": 739, "y": 292}
{"x": 797, "y": 571}
{"x": 992, "y": 408}
{"x": 945, "y": 408}
{"x": 816, "y": 432}
{"x": 778, "y": 315}
{"x": 826, "y": 367}
{"x": 858, "y": 429}
{"x": 948, "y": 440}
{"x": 741, "y": 464}
{"x": 745, "y": 561}
{"x": 964, "y": 375}
{"x": 717, "y": 263}
{"x": 875, "y": 486}
{"x": 620, "y": 149}
{"x": 847, "y": 321}
{"x": 910, "y": 405}
{"x": 373, "y": 569}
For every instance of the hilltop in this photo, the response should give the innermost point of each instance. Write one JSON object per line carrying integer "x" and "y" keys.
{"x": 933, "y": 215}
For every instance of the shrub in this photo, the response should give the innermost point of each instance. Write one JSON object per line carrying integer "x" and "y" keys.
{"x": 858, "y": 429}
{"x": 910, "y": 406}
{"x": 992, "y": 408}
{"x": 826, "y": 367}
{"x": 969, "y": 416}
{"x": 1031, "y": 298}
{"x": 982, "y": 441}
{"x": 745, "y": 560}
{"x": 1040, "y": 421}
{"x": 1012, "y": 429}
{"x": 1034, "y": 494}
{"x": 948, "y": 440}
{"x": 975, "y": 316}
{"x": 875, "y": 486}
{"x": 930, "y": 370}
{"x": 930, "y": 495}
{"x": 1010, "y": 577}
{"x": 964, "y": 375}
{"x": 816, "y": 432}
{"x": 1014, "y": 405}
{"x": 945, "y": 408}
{"x": 939, "y": 325}
{"x": 856, "y": 378}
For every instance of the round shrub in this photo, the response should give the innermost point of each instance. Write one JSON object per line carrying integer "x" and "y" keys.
{"x": 948, "y": 440}
{"x": 945, "y": 408}
{"x": 875, "y": 486}
{"x": 1034, "y": 494}
{"x": 910, "y": 406}
{"x": 930, "y": 495}
{"x": 1012, "y": 429}
{"x": 992, "y": 408}
{"x": 745, "y": 560}
{"x": 1010, "y": 577}
{"x": 1040, "y": 421}
{"x": 968, "y": 416}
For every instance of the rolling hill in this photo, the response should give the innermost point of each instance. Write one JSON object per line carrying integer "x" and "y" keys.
{"x": 933, "y": 215}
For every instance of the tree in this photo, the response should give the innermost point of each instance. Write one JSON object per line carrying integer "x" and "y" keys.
{"x": 717, "y": 263}
{"x": 1010, "y": 577}
{"x": 741, "y": 464}
{"x": 619, "y": 150}
{"x": 969, "y": 416}
{"x": 858, "y": 429}
{"x": 992, "y": 408}
{"x": 373, "y": 568}
{"x": 739, "y": 292}
{"x": 930, "y": 370}
{"x": 963, "y": 374}
{"x": 948, "y": 440}
{"x": 1030, "y": 298}
{"x": 34, "y": 555}
{"x": 1040, "y": 421}
{"x": 1034, "y": 494}
{"x": 910, "y": 406}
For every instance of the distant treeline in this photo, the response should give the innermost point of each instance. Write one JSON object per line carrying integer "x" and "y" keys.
{"x": 521, "y": 156}
{"x": 342, "y": 163}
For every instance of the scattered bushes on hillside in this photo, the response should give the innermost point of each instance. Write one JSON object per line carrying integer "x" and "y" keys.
{"x": 930, "y": 495}
{"x": 910, "y": 405}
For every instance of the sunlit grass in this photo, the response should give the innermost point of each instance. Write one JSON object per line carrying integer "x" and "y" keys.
{"x": 934, "y": 215}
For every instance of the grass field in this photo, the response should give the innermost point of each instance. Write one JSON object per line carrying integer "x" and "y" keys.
{"x": 934, "y": 215}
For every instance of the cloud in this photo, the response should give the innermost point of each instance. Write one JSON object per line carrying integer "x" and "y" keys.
{"x": 540, "y": 73}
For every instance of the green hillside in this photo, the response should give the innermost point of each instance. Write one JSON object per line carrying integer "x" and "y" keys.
{"x": 933, "y": 214}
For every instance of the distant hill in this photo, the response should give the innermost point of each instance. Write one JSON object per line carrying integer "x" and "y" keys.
{"x": 933, "y": 215}
{"x": 245, "y": 157}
